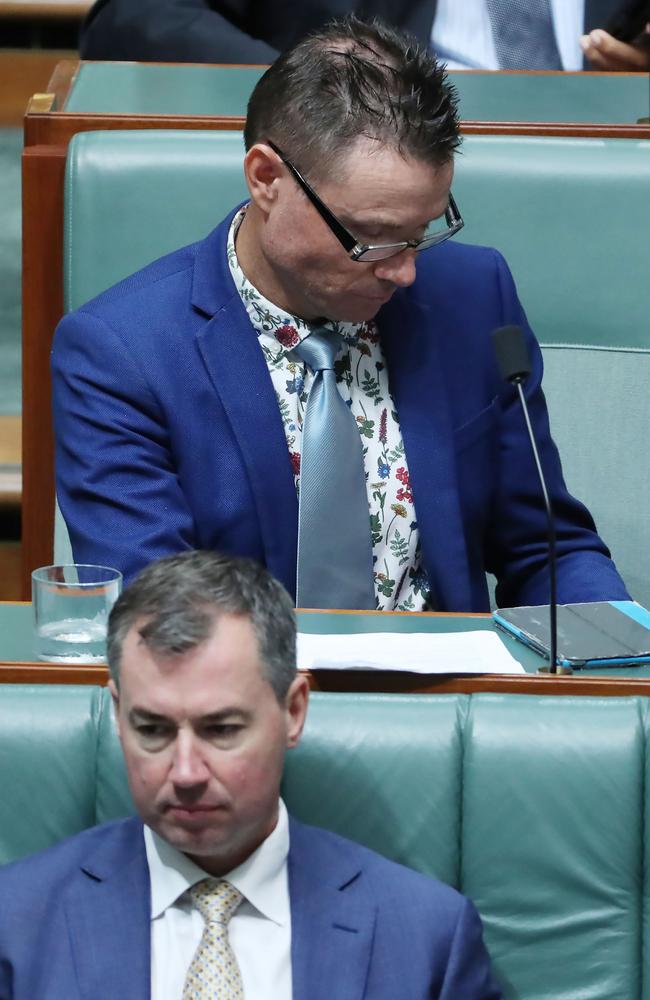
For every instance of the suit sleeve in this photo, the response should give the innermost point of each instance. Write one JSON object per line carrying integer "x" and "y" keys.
{"x": 517, "y": 549}
{"x": 173, "y": 31}
{"x": 115, "y": 470}
{"x": 468, "y": 972}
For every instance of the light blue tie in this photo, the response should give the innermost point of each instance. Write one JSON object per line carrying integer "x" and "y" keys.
{"x": 334, "y": 542}
{"x": 524, "y": 37}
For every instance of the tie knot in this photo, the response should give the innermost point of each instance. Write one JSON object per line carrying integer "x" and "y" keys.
{"x": 216, "y": 900}
{"x": 319, "y": 348}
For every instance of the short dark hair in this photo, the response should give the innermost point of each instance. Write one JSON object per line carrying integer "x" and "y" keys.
{"x": 349, "y": 79}
{"x": 178, "y": 600}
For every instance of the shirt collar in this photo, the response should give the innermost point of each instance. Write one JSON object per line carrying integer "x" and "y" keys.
{"x": 280, "y": 330}
{"x": 261, "y": 878}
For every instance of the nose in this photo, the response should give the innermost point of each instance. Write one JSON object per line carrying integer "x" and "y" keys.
{"x": 400, "y": 269}
{"x": 188, "y": 768}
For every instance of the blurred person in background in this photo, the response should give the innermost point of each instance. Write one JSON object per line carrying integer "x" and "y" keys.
{"x": 476, "y": 34}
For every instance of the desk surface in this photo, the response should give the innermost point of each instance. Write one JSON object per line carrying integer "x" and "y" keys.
{"x": 17, "y": 634}
{"x": 154, "y": 89}
{"x": 18, "y": 664}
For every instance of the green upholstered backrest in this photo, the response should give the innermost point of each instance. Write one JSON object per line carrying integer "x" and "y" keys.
{"x": 132, "y": 196}
{"x": 131, "y": 88}
{"x": 536, "y": 807}
{"x": 186, "y": 90}
{"x": 599, "y": 404}
{"x": 48, "y": 755}
{"x": 486, "y": 95}
{"x": 572, "y": 218}
{"x": 553, "y": 842}
{"x": 570, "y": 215}
{"x": 368, "y": 786}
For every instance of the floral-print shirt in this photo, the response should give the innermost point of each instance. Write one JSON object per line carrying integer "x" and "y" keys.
{"x": 400, "y": 580}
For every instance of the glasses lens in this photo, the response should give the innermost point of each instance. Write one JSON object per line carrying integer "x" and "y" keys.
{"x": 382, "y": 252}
{"x": 432, "y": 237}
{"x": 435, "y": 233}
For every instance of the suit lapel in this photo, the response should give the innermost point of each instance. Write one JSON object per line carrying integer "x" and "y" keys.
{"x": 237, "y": 368}
{"x": 332, "y": 928}
{"x": 107, "y": 907}
{"x": 411, "y": 349}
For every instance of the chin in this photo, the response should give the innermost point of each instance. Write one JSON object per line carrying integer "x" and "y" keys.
{"x": 359, "y": 313}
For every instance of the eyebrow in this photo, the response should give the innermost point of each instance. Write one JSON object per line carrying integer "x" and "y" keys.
{"x": 137, "y": 714}
{"x": 374, "y": 223}
{"x": 143, "y": 715}
{"x": 384, "y": 225}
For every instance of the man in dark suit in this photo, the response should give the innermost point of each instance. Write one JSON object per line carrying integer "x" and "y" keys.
{"x": 207, "y": 700}
{"x": 180, "y": 394}
{"x": 231, "y": 31}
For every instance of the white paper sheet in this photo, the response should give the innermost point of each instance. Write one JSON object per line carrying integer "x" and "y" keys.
{"x": 480, "y": 652}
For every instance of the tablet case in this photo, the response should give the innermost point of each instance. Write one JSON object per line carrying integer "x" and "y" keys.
{"x": 599, "y": 634}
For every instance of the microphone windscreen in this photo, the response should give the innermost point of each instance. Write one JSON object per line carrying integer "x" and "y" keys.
{"x": 512, "y": 352}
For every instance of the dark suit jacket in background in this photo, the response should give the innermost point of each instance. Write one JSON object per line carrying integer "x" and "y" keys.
{"x": 169, "y": 435}
{"x": 249, "y": 31}
{"x": 75, "y": 924}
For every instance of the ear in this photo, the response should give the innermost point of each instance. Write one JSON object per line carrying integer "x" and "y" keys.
{"x": 263, "y": 170}
{"x": 296, "y": 709}
{"x": 115, "y": 696}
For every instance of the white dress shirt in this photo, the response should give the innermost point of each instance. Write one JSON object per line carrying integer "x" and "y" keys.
{"x": 259, "y": 931}
{"x": 462, "y": 33}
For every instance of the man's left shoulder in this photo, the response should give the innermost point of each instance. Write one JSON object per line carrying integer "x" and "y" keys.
{"x": 460, "y": 262}
{"x": 418, "y": 924}
{"x": 373, "y": 874}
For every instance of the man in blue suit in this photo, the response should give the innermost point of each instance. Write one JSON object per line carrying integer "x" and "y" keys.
{"x": 207, "y": 700}
{"x": 179, "y": 398}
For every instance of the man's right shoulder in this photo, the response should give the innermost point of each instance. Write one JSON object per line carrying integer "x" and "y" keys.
{"x": 165, "y": 289}
{"x": 173, "y": 271}
{"x": 54, "y": 865}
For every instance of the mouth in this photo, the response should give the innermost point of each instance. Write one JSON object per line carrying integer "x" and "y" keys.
{"x": 382, "y": 299}
{"x": 193, "y": 813}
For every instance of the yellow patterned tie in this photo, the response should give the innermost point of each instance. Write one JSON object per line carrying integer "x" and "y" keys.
{"x": 213, "y": 973}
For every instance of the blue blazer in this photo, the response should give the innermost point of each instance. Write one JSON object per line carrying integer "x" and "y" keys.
{"x": 169, "y": 436}
{"x": 75, "y": 924}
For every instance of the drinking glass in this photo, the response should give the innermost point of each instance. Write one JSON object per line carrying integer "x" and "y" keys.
{"x": 71, "y": 605}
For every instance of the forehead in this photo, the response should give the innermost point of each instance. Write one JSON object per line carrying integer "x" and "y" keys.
{"x": 377, "y": 178}
{"x": 368, "y": 158}
{"x": 224, "y": 668}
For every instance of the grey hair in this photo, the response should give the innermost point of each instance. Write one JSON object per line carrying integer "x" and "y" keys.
{"x": 176, "y": 602}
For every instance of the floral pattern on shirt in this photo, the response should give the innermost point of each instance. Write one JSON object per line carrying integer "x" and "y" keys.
{"x": 400, "y": 580}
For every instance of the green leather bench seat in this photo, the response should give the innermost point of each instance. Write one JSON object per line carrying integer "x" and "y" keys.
{"x": 535, "y": 807}
{"x": 147, "y": 193}
{"x": 571, "y": 217}
{"x": 150, "y": 89}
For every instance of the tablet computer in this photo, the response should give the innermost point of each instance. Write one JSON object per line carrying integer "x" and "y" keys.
{"x": 599, "y": 634}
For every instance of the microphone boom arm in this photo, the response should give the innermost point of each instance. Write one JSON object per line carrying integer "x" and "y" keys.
{"x": 553, "y": 666}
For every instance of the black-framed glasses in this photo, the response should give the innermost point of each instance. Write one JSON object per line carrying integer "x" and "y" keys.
{"x": 366, "y": 251}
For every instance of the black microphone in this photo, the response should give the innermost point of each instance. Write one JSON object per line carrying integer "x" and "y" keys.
{"x": 514, "y": 364}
